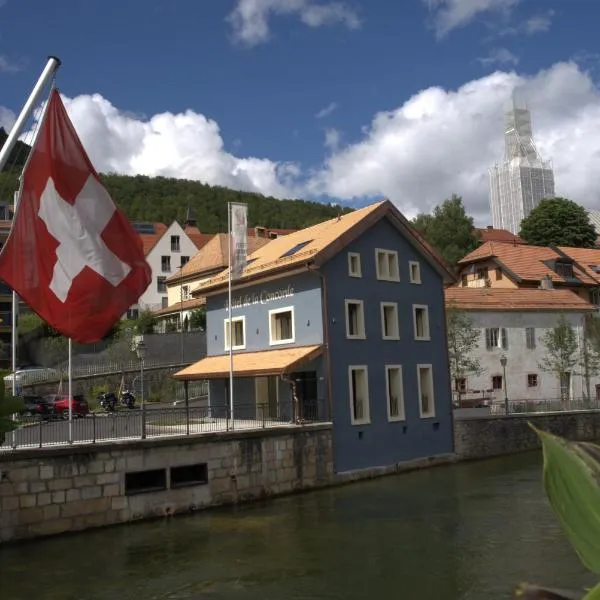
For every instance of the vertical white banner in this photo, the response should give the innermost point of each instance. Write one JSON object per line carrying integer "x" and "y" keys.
{"x": 239, "y": 238}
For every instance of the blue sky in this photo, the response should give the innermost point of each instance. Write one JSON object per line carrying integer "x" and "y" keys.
{"x": 297, "y": 107}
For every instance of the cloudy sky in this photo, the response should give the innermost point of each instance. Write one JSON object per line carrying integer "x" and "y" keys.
{"x": 322, "y": 99}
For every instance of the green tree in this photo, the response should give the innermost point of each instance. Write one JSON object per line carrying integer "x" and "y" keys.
{"x": 567, "y": 356}
{"x": 463, "y": 340}
{"x": 561, "y": 222}
{"x": 9, "y": 405}
{"x": 449, "y": 230}
{"x": 198, "y": 319}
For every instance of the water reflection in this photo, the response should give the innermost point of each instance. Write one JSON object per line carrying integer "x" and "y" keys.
{"x": 465, "y": 532}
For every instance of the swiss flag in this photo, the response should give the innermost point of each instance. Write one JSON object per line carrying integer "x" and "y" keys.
{"x": 72, "y": 255}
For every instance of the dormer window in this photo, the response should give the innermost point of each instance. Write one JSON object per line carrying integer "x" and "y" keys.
{"x": 564, "y": 269}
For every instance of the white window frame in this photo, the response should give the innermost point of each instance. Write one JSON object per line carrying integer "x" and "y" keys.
{"x": 276, "y": 311}
{"x": 241, "y": 318}
{"x": 427, "y": 337}
{"x": 401, "y": 416}
{"x": 417, "y": 265}
{"x": 359, "y": 336}
{"x": 383, "y": 306}
{"x": 431, "y": 414}
{"x": 388, "y": 253}
{"x": 358, "y": 272}
{"x": 367, "y": 416}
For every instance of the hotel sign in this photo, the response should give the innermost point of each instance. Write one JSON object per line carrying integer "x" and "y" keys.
{"x": 262, "y": 297}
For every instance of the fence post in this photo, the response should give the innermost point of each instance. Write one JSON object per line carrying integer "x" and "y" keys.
{"x": 41, "y": 443}
{"x": 187, "y": 406}
{"x": 93, "y": 428}
{"x": 262, "y": 411}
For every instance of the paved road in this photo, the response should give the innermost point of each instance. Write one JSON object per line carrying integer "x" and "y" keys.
{"x": 123, "y": 424}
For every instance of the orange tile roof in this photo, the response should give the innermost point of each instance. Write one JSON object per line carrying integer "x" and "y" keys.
{"x": 198, "y": 238}
{"x": 489, "y": 234}
{"x": 587, "y": 258}
{"x": 520, "y": 299}
{"x": 213, "y": 256}
{"x": 526, "y": 262}
{"x": 248, "y": 364}
{"x": 179, "y": 306}
{"x": 320, "y": 242}
{"x": 252, "y": 231}
{"x": 149, "y": 240}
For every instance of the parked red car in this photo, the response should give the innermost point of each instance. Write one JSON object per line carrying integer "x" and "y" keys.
{"x": 61, "y": 405}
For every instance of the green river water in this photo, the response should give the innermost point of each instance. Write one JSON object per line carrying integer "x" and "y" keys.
{"x": 468, "y": 531}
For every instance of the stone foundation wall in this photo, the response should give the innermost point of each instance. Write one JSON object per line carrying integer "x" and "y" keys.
{"x": 483, "y": 437}
{"x": 44, "y": 492}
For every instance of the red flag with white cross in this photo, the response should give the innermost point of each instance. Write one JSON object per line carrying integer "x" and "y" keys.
{"x": 72, "y": 255}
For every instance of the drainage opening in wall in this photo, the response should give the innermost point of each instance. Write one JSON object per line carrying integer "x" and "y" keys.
{"x": 144, "y": 482}
{"x": 187, "y": 475}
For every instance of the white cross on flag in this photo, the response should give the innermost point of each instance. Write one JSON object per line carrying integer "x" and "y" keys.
{"x": 72, "y": 255}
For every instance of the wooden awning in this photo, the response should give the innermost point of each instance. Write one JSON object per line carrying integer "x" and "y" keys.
{"x": 250, "y": 364}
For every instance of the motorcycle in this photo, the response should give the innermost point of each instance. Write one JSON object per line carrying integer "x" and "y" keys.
{"x": 128, "y": 399}
{"x": 108, "y": 401}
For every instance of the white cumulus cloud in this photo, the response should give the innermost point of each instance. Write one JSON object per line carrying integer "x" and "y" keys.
{"x": 7, "y": 118}
{"x": 441, "y": 142}
{"x": 250, "y": 18}
{"x": 436, "y": 143}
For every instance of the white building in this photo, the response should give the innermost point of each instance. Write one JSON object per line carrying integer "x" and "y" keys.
{"x": 523, "y": 179}
{"x": 512, "y": 323}
{"x": 166, "y": 249}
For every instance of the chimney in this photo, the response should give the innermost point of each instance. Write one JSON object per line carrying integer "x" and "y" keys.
{"x": 190, "y": 219}
{"x": 546, "y": 283}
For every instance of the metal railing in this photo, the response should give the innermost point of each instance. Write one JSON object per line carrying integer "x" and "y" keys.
{"x": 149, "y": 422}
{"x": 498, "y": 407}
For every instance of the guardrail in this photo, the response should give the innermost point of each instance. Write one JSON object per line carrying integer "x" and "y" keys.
{"x": 148, "y": 422}
{"x": 498, "y": 407}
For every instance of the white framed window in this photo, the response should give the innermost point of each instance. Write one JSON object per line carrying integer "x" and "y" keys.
{"x": 390, "y": 328}
{"x": 386, "y": 264}
{"x": 414, "y": 271}
{"x": 281, "y": 326}
{"x": 394, "y": 383}
{"x": 175, "y": 245}
{"x": 421, "y": 322}
{"x": 530, "y": 338}
{"x": 354, "y": 268}
{"x": 239, "y": 333}
{"x": 165, "y": 264}
{"x": 426, "y": 392}
{"x": 355, "y": 320}
{"x": 185, "y": 292}
{"x": 358, "y": 383}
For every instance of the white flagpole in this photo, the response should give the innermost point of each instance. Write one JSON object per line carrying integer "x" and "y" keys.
{"x": 33, "y": 100}
{"x": 230, "y": 323}
{"x": 70, "y": 390}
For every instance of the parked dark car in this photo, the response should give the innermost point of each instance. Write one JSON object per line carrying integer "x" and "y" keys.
{"x": 35, "y": 406}
{"x": 60, "y": 403}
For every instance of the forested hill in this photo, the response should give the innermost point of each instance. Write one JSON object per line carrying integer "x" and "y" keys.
{"x": 165, "y": 200}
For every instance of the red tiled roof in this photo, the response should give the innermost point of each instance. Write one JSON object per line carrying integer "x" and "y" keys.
{"x": 150, "y": 240}
{"x": 520, "y": 299}
{"x": 526, "y": 262}
{"x": 179, "y": 306}
{"x": 198, "y": 238}
{"x": 489, "y": 234}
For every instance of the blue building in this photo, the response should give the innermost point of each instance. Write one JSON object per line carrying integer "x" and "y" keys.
{"x": 342, "y": 321}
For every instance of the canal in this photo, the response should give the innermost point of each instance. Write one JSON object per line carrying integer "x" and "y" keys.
{"x": 467, "y": 532}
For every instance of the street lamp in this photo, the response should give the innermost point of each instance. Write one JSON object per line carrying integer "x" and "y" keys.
{"x": 503, "y": 361}
{"x": 140, "y": 350}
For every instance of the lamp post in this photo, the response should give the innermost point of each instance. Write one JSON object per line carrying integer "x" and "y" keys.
{"x": 503, "y": 361}
{"x": 140, "y": 350}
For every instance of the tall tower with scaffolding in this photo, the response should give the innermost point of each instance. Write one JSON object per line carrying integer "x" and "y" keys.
{"x": 523, "y": 179}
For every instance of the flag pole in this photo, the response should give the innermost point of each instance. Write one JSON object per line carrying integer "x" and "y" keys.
{"x": 230, "y": 323}
{"x": 17, "y": 129}
{"x": 70, "y": 390}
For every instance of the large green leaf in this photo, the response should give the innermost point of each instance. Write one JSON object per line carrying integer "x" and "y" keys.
{"x": 593, "y": 594}
{"x": 572, "y": 484}
{"x": 527, "y": 591}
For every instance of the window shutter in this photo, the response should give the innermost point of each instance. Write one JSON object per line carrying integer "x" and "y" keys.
{"x": 504, "y": 338}
{"x": 488, "y": 338}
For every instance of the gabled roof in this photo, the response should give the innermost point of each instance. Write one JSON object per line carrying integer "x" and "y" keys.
{"x": 213, "y": 256}
{"x": 489, "y": 234}
{"x": 149, "y": 240}
{"x": 319, "y": 243}
{"x": 198, "y": 238}
{"x": 180, "y": 306}
{"x": 588, "y": 259}
{"x": 521, "y": 299}
{"x": 526, "y": 262}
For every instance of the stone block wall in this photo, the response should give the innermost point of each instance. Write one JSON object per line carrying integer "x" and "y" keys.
{"x": 50, "y": 491}
{"x": 483, "y": 437}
